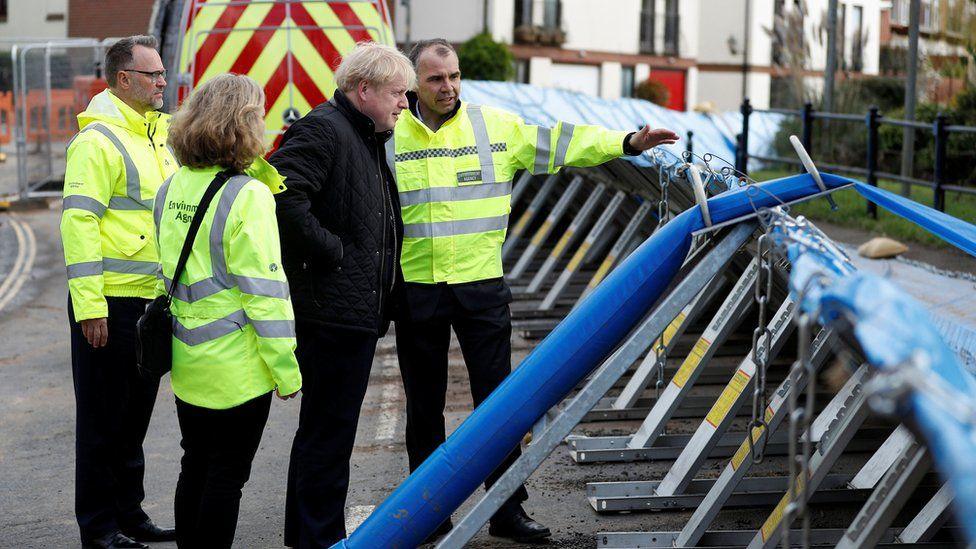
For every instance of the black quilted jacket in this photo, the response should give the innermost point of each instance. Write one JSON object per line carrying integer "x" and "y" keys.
{"x": 339, "y": 218}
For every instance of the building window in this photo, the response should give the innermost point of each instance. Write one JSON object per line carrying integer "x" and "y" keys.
{"x": 522, "y": 71}
{"x": 842, "y": 36}
{"x": 671, "y": 28}
{"x": 857, "y": 45}
{"x": 523, "y": 13}
{"x": 647, "y": 26}
{"x": 3, "y": 11}
{"x": 928, "y": 14}
{"x": 552, "y": 14}
{"x": 627, "y": 82}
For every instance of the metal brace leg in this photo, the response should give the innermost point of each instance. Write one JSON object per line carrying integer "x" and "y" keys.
{"x": 535, "y": 207}
{"x": 928, "y": 521}
{"x": 709, "y": 267}
{"x": 540, "y": 236}
{"x": 617, "y": 251}
{"x": 581, "y": 217}
{"x": 888, "y": 498}
{"x": 601, "y": 226}
{"x": 838, "y": 434}
{"x": 723, "y": 412}
{"x": 735, "y": 305}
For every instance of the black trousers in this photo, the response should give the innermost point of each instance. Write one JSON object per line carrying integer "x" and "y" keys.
{"x": 335, "y": 365}
{"x": 422, "y": 348}
{"x": 113, "y": 404}
{"x": 218, "y": 448}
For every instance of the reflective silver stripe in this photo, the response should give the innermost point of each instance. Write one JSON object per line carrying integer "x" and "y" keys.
{"x": 159, "y": 204}
{"x": 542, "y": 143}
{"x": 82, "y": 202}
{"x": 483, "y": 143}
{"x": 127, "y": 203}
{"x": 210, "y": 331}
{"x": 390, "y": 157}
{"x": 274, "y": 328}
{"x": 227, "y": 197}
{"x": 454, "y": 228}
{"x": 128, "y": 266}
{"x": 88, "y": 268}
{"x": 194, "y": 292}
{"x": 445, "y": 152}
{"x": 454, "y": 194}
{"x": 562, "y": 147}
{"x": 132, "y": 186}
{"x": 264, "y": 287}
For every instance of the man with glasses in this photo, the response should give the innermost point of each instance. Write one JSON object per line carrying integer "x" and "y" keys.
{"x": 115, "y": 165}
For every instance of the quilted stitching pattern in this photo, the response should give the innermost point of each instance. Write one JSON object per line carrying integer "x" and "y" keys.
{"x": 350, "y": 205}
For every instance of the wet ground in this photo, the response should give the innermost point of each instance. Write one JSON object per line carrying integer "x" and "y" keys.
{"x": 37, "y": 432}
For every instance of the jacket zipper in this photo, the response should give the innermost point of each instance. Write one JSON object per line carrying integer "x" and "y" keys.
{"x": 383, "y": 186}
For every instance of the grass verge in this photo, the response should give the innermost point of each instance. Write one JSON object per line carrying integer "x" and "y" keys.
{"x": 852, "y": 211}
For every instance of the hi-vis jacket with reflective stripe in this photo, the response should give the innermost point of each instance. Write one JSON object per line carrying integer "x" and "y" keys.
{"x": 116, "y": 164}
{"x": 234, "y": 328}
{"x": 455, "y": 184}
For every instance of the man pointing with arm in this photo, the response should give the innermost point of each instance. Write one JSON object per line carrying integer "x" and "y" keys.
{"x": 454, "y": 166}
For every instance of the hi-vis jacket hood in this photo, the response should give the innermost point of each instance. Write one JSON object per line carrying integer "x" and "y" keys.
{"x": 115, "y": 165}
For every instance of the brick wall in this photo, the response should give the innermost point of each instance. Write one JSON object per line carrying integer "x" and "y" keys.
{"x": 107, "y": 18}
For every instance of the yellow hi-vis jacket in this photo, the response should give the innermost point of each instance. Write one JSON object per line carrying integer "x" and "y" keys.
{"x": 234, "y": 328}
{"x": 455, "y": 184}
{"x": 115, "y": 165}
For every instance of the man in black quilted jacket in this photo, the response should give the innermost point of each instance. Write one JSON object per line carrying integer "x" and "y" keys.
{"x": 340, "y": 238}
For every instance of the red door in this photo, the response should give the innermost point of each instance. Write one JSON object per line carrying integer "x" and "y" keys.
{"x": 674, "y": 80}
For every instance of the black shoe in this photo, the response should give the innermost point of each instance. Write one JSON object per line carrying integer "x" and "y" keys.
{"x": 148, "y": 531}
{"x": 518, "y": 526}
{"x": 443, "y": 529}
{"x": 115, "y": 540}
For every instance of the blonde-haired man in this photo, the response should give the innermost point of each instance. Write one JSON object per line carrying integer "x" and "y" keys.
{"x": 340, "y": 236}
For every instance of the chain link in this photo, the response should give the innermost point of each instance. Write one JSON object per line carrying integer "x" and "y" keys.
{"x": 662, "y": 359}
{"x": 761, "y": 341}
{"x": 800, "y": 422}
{"x": 664, "y": 205}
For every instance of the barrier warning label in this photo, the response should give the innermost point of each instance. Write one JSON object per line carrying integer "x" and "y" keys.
{"x": 691, "y": 362}
{"x": 578, "y": 256}
{"x": 772, "y": 522}
{"x": 602, "y": 270}
{"x": 728, "y": 397}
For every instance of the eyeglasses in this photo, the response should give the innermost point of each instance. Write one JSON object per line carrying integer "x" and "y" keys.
{"x": 155, "y": 76}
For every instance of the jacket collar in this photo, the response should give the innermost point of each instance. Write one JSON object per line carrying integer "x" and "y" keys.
{"x": 107, "y": 108}
{"x": 414, "y": 101}
{"x": 363, "y": 124}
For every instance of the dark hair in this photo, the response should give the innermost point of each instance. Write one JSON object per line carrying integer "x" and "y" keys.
{"x": 441, "y": 47}
{"x": 119, "y": 56}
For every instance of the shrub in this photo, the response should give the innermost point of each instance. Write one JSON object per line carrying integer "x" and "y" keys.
{"x": 653, "y": 91}
{"x": 482, "y": 58}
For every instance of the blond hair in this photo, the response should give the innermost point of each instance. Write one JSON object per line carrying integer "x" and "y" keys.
{"x": 220, "y": 124}
{"x": 377, "y": 64}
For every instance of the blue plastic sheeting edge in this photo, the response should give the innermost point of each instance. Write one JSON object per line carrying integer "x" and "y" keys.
{"x": 896, "y": 332}
{"x": 578, "y": 345}
{"x": 954, "y": 231}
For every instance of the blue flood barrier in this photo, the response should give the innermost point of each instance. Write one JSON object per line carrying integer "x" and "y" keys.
{"x": 954, "y": 231}
{"x": 578, "y": 345}
{"x": 897, "y": 335}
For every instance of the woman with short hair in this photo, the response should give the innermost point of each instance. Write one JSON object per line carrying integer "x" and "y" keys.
{"x": 234, "y": 330}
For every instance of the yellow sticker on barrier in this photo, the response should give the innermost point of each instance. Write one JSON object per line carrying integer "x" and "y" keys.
{"x": 578, "y": 256}
{"x": 522, "y": 222}
{"x": 672, "y": 328}
{"x": 691, "y": 362}
{"x": 541, "y": 233}
{"x": 776, "y": 517}
{"x": 602, "y": 271}
{"x": 728, "y": 397}
{"x": 558, "y": 250}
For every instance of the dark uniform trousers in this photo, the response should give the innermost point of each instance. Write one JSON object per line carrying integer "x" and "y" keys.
{"x": 422, "y": 341}
{"x": 335, "y": 365}
{"x": 218, "y": 449}
{"x": 113, "y": 406}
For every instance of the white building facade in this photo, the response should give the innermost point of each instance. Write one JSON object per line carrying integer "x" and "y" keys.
{"x": 701, "y": 50}
{"x": 33, "y": 19}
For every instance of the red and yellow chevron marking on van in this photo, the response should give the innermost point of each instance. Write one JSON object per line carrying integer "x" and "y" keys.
{"x": 291, "y": 47}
